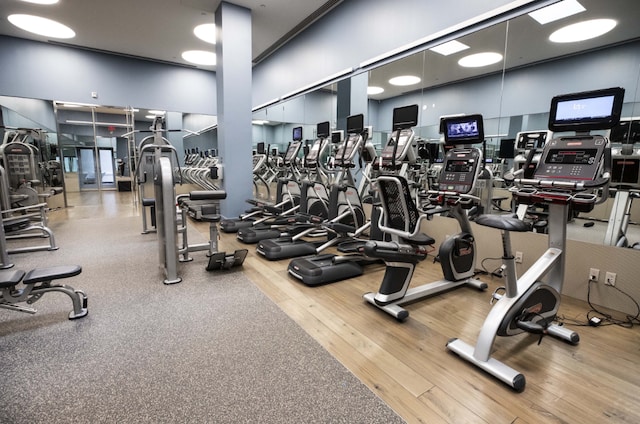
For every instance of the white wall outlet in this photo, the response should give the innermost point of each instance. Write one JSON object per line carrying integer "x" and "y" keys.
{"x": 518, "y": 257}
{"x": 610, "y": 278}
{"x": 594, "y": 274}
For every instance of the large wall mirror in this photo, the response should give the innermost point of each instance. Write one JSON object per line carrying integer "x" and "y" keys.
{"x": 523, "y": 70}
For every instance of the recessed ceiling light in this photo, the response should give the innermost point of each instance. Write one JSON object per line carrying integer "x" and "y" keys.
{"x": 480, "y": 59}
{"x": 200, "y": 57}
{"x": 259, "y": 122}
{"x": 41, "y": 26}
{"x": 42, "y": 1}
{"x": 584, "y": 30}
{"x": 157, "y": 112}
{"x": 150, "y": 116}
{"x": 404, "y": 80}
{"x": 450, "y": 47}
{"x": 206, "y": 32}
{"x": 371, "y": 90}
{"x": 557, "y": 11}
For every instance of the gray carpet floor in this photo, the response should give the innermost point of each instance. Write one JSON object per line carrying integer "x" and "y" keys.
{"x": 212, "y": 349}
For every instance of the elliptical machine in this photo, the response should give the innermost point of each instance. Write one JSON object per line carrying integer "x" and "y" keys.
{"x": 460, "y": 170}
{"x": 570, "y": 171}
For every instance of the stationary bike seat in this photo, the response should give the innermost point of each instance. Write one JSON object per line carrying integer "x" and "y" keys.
{"x": 502, "y": 222}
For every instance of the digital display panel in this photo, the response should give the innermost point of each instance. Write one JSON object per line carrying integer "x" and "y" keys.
{"x": 589, "y": 110}
{"x": 572, "y": 157}
{"x": 323, "y": 130}
{"x": 297, "y": 134}
{"x": 458, "y": 166}
{"x": 405, "y": 117}
{"x": 625, "y": 171}
{"x": 463, "y": 129}
{"x": 355, "y": 124}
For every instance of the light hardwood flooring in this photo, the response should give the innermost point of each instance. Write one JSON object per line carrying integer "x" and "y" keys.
{"x": 407, "y": 365}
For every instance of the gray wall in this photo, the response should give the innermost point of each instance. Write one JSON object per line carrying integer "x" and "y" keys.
{"x": 356, "y": 31}
{"x": 44, "y": 71}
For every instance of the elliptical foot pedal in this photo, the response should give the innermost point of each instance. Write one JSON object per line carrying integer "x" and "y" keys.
{"x": 221, "y": 260}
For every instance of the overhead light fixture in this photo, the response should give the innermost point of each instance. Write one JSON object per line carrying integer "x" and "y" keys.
{"x": 450, "y": 47}
{"x": 206, "y": 32}
{"x": 584, "y": 30}
{"x": 404, "y": 80}
{"x": 42, "y": 1}
{"x": 479, "y": 60}
{"x": 557, "y": 11}
{"x": 41, "y": 26}
{"x": 200, "y": 57}
{"x": 373, "y": 90}
{"x": 259, "y": 122}
{"x": 150, "y": 116}
{"x": 157, "y": 112}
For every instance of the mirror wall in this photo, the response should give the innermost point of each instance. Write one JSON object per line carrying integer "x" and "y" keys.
{"x": 513, "y": 93}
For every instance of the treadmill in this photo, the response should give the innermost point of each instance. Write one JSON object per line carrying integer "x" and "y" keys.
{"x": 347, "y": 216}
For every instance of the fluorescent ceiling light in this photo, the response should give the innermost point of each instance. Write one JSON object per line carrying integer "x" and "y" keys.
{"x": 100, "y": 124}
{"x": 371, "y": 90}
{"x": 557, "y": 11}
{"x": 584, "y": 30}
{"x": 206, "y": 32}
{"x": 157, "y": 112}
{"x": 259, "y": 122}
{"x": 150, "y": 116}
{"x": 404, "y": 80}
{"x": 200, "y": 57}
{"x": 41, "y": 26}
{"x": 42, "y": 1}
{"x": 450, "y": 47}
{"x": 480, "y": 59}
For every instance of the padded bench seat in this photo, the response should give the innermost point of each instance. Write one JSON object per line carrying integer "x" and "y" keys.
{"x": 9, "y": 278}
{"x": 38, "y": 275}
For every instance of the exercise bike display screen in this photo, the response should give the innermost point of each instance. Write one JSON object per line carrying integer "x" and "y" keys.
{"x": 463, "y": 129}
{"x": 586, "y": 111}
{"x": 459, "y": 166}
{"x": 579, "y": 157}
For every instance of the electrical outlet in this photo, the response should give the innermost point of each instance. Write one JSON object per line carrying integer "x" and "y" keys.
{"x": 610, "y": 278}
{"x": 594, "y": 274}
{"x": 519, "y": 257}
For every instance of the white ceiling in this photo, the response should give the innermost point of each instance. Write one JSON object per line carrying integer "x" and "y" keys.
{"x": 161, "y": 29}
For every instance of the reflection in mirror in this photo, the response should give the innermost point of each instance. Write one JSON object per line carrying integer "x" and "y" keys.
{"x": 539, "y": 66}
{"x": 97, "y": 145}
{"x": 31, "y": 169}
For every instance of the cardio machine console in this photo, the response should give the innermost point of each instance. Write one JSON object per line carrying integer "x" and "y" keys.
{"x": 459, "y": 170}
{"x": 572, "y": 158}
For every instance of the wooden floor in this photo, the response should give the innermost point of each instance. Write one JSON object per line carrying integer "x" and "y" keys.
{"x": 407, "y": 365}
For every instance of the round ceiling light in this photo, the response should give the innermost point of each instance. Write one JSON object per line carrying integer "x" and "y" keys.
{"x": 480, "y": 59}
{"x": 372, "y": 90}
{"x": 200, "y": 57}
{"x": 42, "y": 1}
{"x": 584, "y": 30}
{"x": 206, "y": 32}
{"x": 41, "y": 26}
{"x": 404, "y": 80}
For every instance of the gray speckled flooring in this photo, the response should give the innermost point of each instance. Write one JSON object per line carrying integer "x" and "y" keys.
{"x": 212, "y": 349}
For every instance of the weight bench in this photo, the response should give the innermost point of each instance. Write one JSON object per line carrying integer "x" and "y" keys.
{"x": 36, "y": 283}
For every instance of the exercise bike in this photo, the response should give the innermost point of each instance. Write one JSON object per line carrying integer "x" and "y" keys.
{"x": 461, "y": 168}
{"x": 568, "y": 175}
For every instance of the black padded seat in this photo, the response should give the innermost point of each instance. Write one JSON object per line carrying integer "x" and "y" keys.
{"x": 9, "y": 278}
{"x": 38, "y": 275}
{"x": 420, "y": 239}
{"x": 503, "y": 222}
{"x": 208, "y": 195}
{"x": 211, "y": 217}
